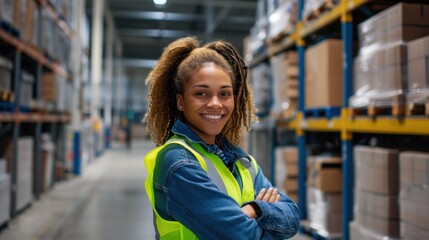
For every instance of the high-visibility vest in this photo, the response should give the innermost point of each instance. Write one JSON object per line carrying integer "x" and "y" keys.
{"x": 216, "y": 170}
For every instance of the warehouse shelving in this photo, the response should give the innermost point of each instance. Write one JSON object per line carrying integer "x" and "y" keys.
{"x": 27, "y": 57}
{"x": 346, "y": 124}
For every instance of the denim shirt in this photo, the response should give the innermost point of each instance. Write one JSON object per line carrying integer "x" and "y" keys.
{"x": 185, "y": 193}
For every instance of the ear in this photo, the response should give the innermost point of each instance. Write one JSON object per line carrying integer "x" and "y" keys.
{"x": 179, "y": 102}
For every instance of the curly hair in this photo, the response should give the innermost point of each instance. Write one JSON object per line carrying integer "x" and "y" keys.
{"x": 179, "y": 61}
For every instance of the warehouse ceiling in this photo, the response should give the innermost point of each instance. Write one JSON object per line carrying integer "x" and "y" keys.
{"x": 145, "y": 28}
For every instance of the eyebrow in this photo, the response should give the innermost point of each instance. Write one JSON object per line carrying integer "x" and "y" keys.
{"x": 207, "y": 86}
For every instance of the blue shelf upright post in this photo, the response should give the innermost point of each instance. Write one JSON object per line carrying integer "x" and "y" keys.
{"x": 302, "y": 161}
{"x": 346, "y": 138}
{"x": 37, "y": 171}
{"x": 16, "y": 130}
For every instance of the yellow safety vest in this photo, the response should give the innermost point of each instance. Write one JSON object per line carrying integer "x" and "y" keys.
{"x": 217, "y": 171}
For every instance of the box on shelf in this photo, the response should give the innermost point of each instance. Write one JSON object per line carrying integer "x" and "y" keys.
{"x": 418, "y": 71}
{"x": 4, "y": 198}
{"x": 5, "y": 74}
{"x": 414, "y": 194}
{"x": 9, "y": 12}
{"x": 324, "y": 210}
{"x": 323, "y": 74}
{"x": 409, "y": 231}
{"x": 3, "y": 166}
{"x": 378, "y": 80}
{"x": 325, "y": 173}
{"x": 282, "y": 20}
{"x": 260, "y": 78}
{"x": 29, "y": 19}
{"x": 377, "y": 169}
{"x": 26, "y": 86}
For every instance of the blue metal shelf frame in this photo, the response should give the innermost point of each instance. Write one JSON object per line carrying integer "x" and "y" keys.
{"x": 302, "y": 158}
{"x": 347, "y": 146}
{"x": 16, "y": 130}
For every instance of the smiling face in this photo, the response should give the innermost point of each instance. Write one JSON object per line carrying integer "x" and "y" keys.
{"x": 207, "y": 101}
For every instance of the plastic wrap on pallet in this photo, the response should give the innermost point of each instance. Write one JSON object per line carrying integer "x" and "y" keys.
{"x": 29, "y": 21}
{"x": 260, "y": 78}
{"x": 258, "y": 35}
{"x": 4, "y": 197}
{"x": 380, "y": 69}
{"x": 48, "y": 32}
{"x": 358, "y": 232}
{"x": 5, "y": 74}
{"x": 282, "y": 20}
{"x": 418, "y": 71}
{"x": 26, "y": 89}
{"x": 285, "y": 84}
{"x": 9, "y": 12}
{"x": 312, "y": 5}
{"x": 380, "y": 75}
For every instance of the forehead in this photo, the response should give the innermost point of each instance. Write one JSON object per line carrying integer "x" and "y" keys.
{"x": 210, "y": 73}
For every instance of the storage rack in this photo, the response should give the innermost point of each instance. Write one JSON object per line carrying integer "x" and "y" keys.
{"x": 25, "y": 57}
{"x": 345, "y": 124}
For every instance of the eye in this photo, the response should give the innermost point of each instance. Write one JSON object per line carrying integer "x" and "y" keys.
{"x": 226, "y": 94}
{"x": 203, "y": 94}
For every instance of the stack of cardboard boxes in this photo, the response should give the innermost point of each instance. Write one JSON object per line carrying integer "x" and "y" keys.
{"x": 260, "y": 78}
{"x": 376, "y": 207}
{"x": 324, "y": 194}
{"x": 414, "y": 195}
{"x": 284, "y": 67}
{"x": 323, "y": 75}
{"x": 287, "y": 171}
{"x": 4, "y": 192}
{"x": 380, "y": 67}
{"x": 24, "y": 168}
{"x": 418, "y": 73}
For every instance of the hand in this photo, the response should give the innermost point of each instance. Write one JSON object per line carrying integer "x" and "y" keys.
{"x": 271, "y": 195}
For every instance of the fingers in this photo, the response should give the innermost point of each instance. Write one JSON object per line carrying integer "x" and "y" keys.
{"x": 261, "y": 194}
{"x": 271, "y": 195}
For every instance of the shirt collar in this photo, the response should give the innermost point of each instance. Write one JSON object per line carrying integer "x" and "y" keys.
{"x": 183, "y": 130}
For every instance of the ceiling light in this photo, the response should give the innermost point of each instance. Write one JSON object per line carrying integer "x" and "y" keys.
{"x": 160, "y": 2}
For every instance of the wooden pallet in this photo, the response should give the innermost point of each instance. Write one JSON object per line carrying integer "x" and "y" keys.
{"x": 315, "y": 13}
{"x": 418, "y": 109}
{"x": 374, "y": 108}
{"x": 6, "y": 95}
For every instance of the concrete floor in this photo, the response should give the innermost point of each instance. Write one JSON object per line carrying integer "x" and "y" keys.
{"x": 108, "y": 202}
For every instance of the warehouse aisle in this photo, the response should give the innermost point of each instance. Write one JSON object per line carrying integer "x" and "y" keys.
{"x": 108, "y": 202}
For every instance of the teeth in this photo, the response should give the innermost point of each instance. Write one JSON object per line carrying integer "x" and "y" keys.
{"x": 213, "y": 117}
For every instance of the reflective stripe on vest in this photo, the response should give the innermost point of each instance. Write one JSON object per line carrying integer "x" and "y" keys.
{"x": 217, "y": 172}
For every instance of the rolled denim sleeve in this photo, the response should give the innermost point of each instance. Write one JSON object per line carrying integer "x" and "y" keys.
{"x": 280, "y": 219}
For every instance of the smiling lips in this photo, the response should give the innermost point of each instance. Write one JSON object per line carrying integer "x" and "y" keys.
{"x": 212, "y": 117}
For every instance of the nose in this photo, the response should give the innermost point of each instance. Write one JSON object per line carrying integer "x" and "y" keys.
{"x": 214, "y": 103}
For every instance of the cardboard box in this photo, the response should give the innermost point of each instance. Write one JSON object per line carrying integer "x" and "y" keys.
{"x": 290, "y": 155}
{"x": 323, "y": 74}
{"x": 325, "y": 173}
{"x": 416, "y": 214}
{"x": 3, "y": 166}
{"x": 377, "y": 170}
{"x": 379, "y": 205}
{"x": 4, "y": 198}
{"x": 332, "y": 202}
{"x": 414, "y": 169}
{"x": 293, "y": 196}
{"x": 409, "y": 231}
{"x": 407, "y": 14}
{"x": 291, "y": 170}
{"x": 5, "y": 74}
{"x": 291, "y": 184}
{"x": 324, "y": 221}
{"x": 418, "y": 63}
{"x": 381, "y": 226}
{"x": 29, "y": 20}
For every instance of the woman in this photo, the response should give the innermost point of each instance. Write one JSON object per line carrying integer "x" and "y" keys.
{"x": 200, "y": 184}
